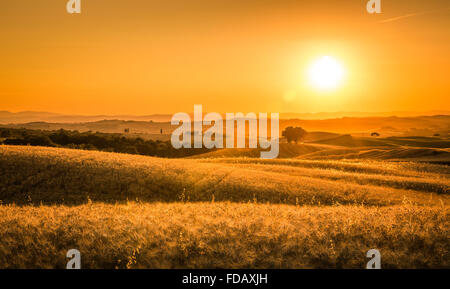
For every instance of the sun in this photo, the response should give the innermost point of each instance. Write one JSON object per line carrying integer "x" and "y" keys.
{"x": 326, "y": 73}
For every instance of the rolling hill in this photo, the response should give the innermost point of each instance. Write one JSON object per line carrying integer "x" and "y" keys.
{"x": 129, "y": 211}
{"x": 361, "y": 127}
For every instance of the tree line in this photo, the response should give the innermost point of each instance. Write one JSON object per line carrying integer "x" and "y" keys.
{"x": 108, "y": 142}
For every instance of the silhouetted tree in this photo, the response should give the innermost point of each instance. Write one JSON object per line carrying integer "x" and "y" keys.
{"x": 5, "y": 133}
{"x": 94, "y": 141}
{"x": 295, "y": 134}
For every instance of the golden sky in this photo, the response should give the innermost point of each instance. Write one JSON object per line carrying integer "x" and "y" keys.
{"x": 164, "y": 56}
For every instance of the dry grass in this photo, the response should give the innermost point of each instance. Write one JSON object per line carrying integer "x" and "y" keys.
{"x": 62, "y": 176}
{"x": 426, "y": 183}
{"x": 223, "y": 235}
{"x": 218, "y": 213}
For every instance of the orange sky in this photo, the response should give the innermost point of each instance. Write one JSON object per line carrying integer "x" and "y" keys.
{"x": 154, "y": 56}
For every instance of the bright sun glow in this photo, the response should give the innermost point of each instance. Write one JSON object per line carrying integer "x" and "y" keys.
{"x": 326, "y": 73}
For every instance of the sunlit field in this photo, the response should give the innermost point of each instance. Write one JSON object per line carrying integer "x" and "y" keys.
{"x": 128, "y": 211}
{"x": 225, "y": 134}
{"x": 223, "y": 235}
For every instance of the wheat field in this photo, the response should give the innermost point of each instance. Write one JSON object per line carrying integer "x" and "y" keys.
{"x": 128, "y": 211}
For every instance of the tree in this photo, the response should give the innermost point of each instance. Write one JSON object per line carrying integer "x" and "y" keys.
{"x": 5, "y": 132}
{"x": 295, "y": 134}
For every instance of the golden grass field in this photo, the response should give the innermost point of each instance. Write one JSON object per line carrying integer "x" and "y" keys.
{"x": 128, "y": 211}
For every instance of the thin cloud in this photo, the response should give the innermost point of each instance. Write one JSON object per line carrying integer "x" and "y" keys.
{"x": 412, "y": 15}
{"x": 402, "y": 17}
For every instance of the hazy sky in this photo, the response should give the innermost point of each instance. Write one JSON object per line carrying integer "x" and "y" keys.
{"x": 164, "y": 56}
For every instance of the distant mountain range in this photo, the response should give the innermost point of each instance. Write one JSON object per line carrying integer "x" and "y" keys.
{"x": 438, "y": 125}
{"x": 7, "y": 117}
